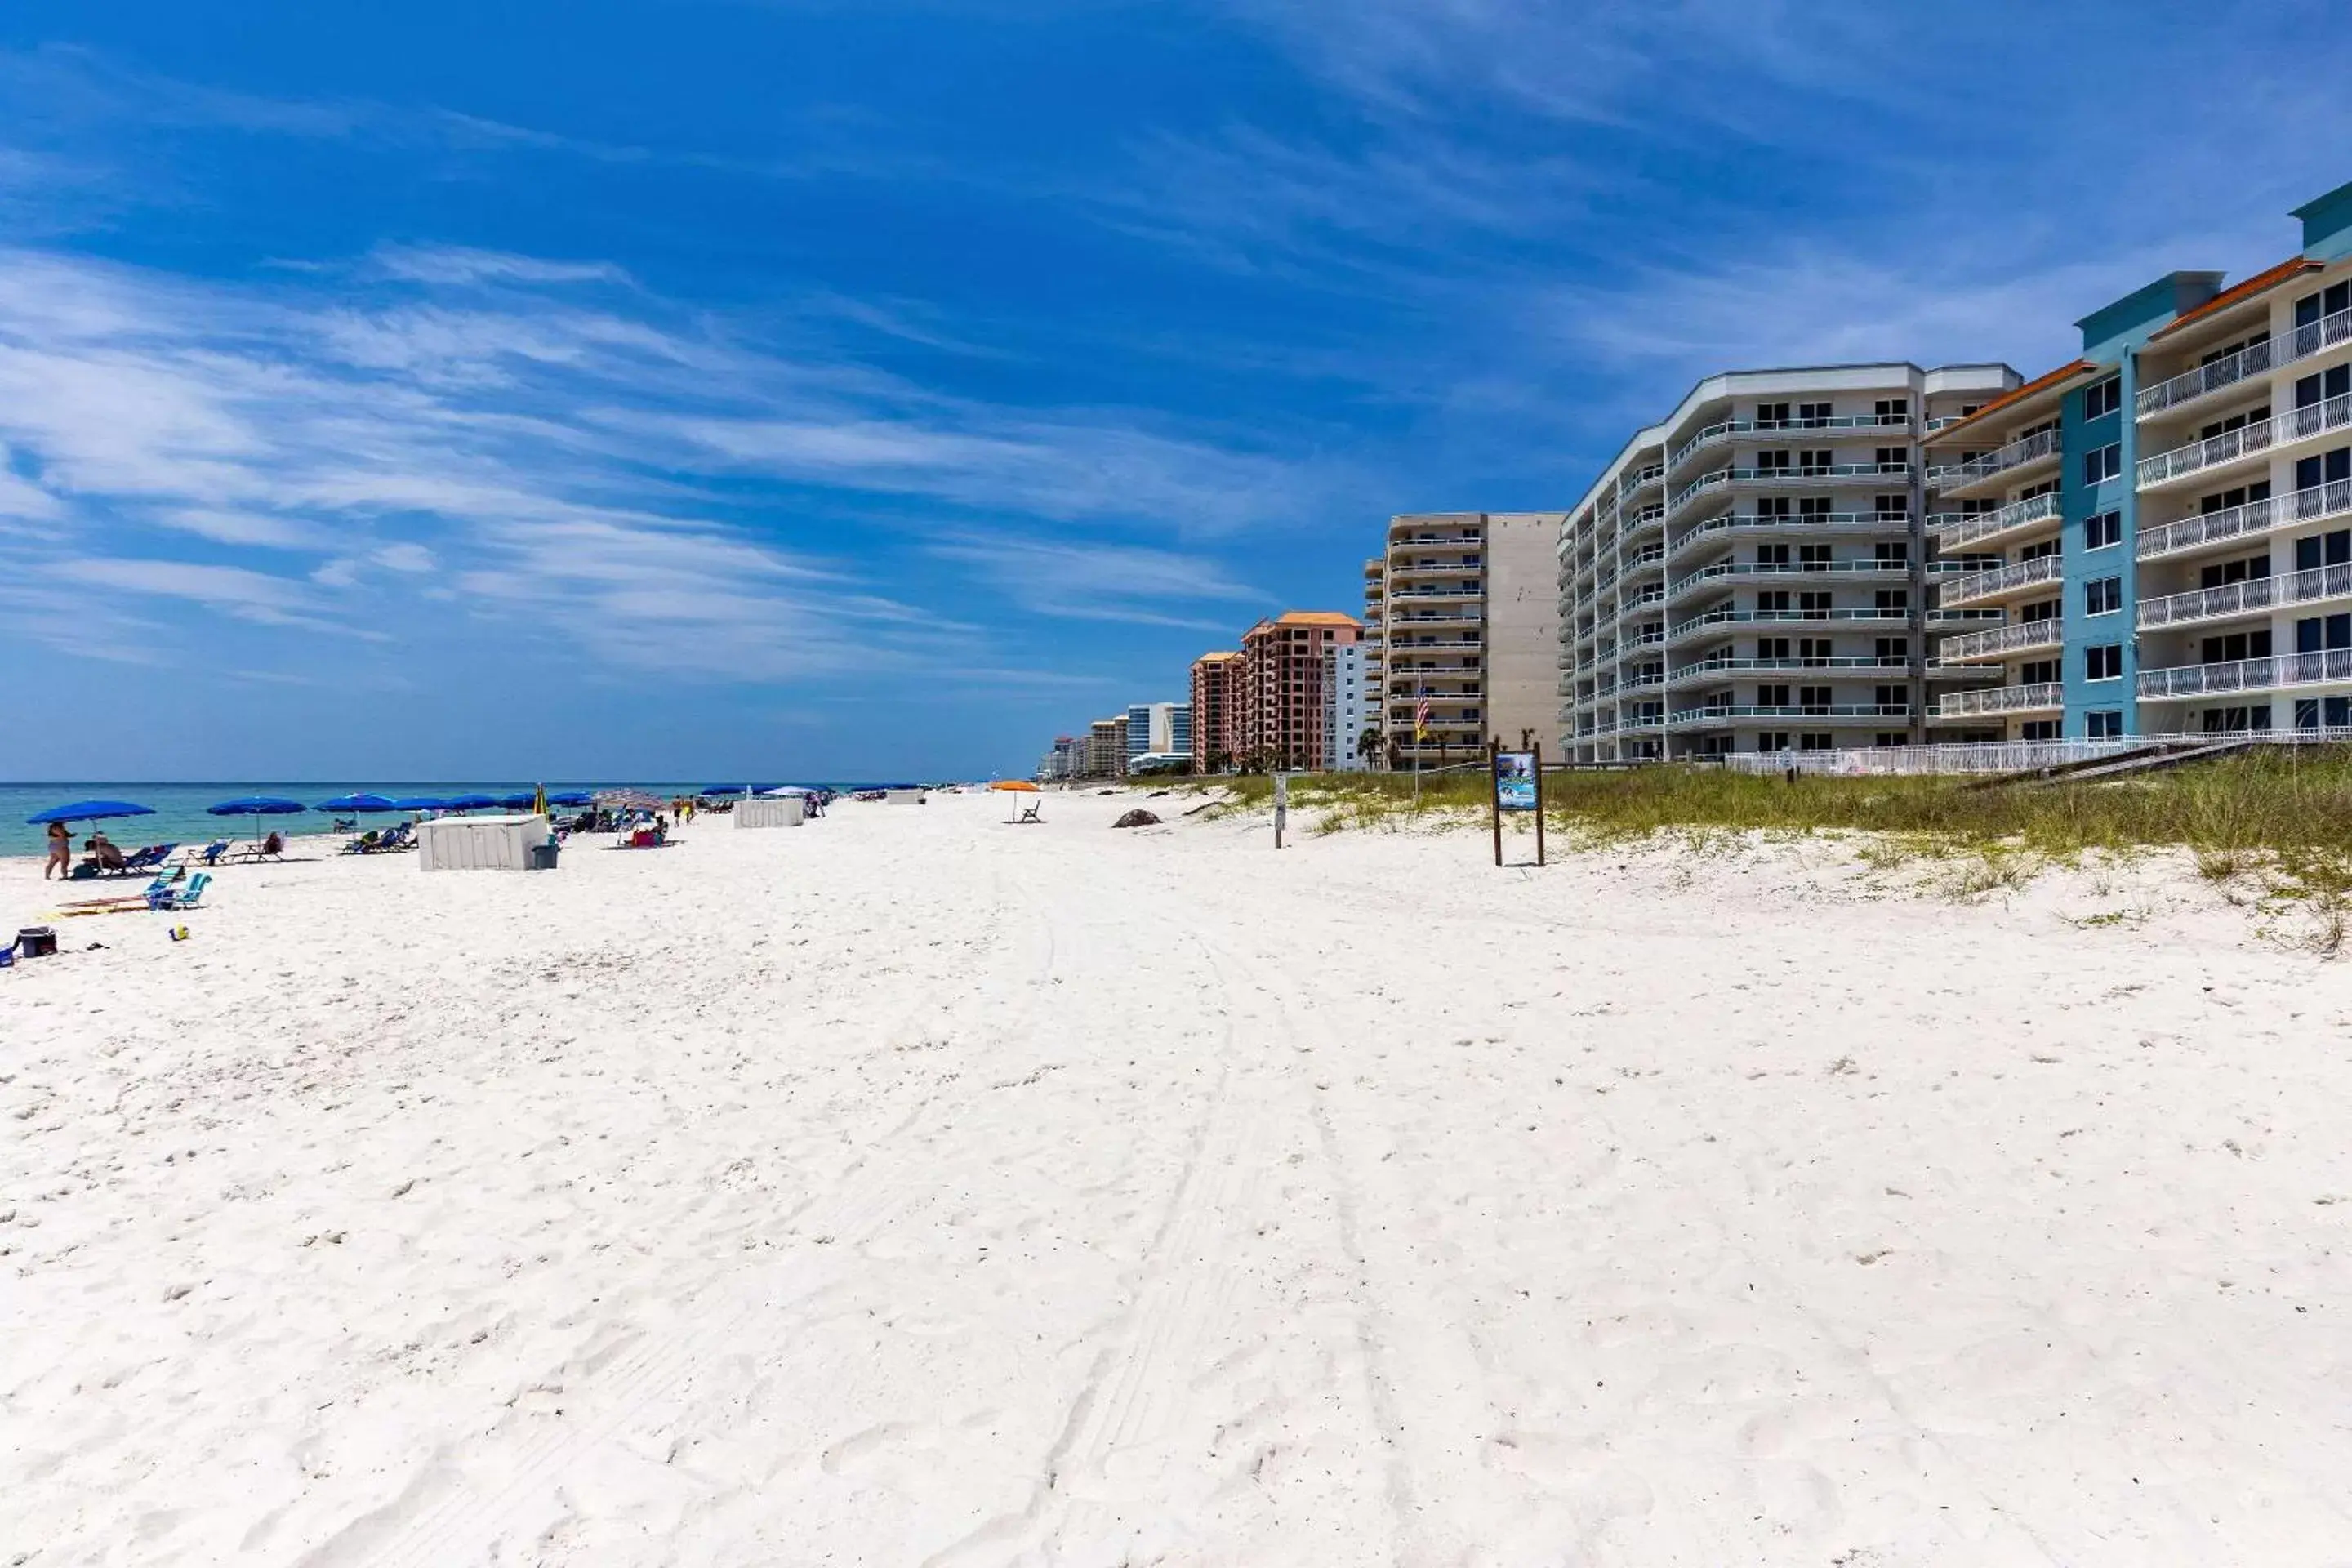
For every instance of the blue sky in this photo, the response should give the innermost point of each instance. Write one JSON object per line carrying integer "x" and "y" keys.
{"x": 837, "y": 386}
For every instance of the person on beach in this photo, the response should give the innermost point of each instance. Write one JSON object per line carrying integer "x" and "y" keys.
{"x": 60, "y": 852}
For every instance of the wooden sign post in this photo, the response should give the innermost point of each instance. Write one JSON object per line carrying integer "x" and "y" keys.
{"x": 1494, "y": 793}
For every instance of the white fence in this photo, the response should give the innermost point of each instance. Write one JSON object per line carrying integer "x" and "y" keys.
{"x": 2004, "y": 756}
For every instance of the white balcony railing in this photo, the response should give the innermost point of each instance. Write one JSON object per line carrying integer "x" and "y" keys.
{"x": 2295, "y": 425}
{"x": 2333, "y": 499}
{"x": 2252, "y": 596}
{"x": 1727, "y": 714}
{"x": 1811, "y": 473}
{"x": 1881, "y": 570}
{"x": 2329, "y": 668}
{"x": 2254, "y": 359}
{"x": 2017, "y": 454}
{"x": 1991, "y": 700}
{"x": 1780, "y": 617}
{"x": 1707, "y": 670}
{"x": 1955, "y": 531}
{"x": 1725, "y": 430}
{"x": 2005, "y": 579}
{"x": 1997, "y": 642}
{"x": 1751, "y": 522}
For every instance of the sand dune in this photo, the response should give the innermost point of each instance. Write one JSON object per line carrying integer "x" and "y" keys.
{"x": 913, "y": 1189}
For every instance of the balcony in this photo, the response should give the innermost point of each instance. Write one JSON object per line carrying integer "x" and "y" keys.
{"x": 1715, "y": 434}
{"x": 1402, "y": 570}
{"x": 2255, "y": 359}
{"x": 1999, "y": 642}
{"x": 2304, "y": 506}
{"x": 2019, "y": 576}
{"x": 1739, "y": 525}
{"x": 1768, "y": 478}
{"x": 1955, "y": 531}
{"x": 1457, "y": 539}
{"x": 1988, "y": 701}
{"x": 2040, "y": 447}
{"x": 1795, "y": 571}
{"x": 2331, "y": 668}
{"x": 2231, "y": 446}
{"x": 1964, "y": 617}
{"x": 1641, "y": 521}
{"x": 1723, "y": 715}
{"x": 2253, "y": 596}
{"x": 1712, "y": 671}
{"x": 1714, "y": 619}
{"x": 1467, "y": 591}
{"x": 1629, "y": 485}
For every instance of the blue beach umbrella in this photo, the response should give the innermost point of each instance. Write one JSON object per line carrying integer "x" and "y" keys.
{"x": 420, "y": 803}
{"x": 572, "y": 798}
{"x": 722, "y": 789}
{"x": 90, "y": 811}
{"x": 472, "y": 802}
{"x": 357, "y": 802}
{"x": 523, "y": 800}
{"x": 255, "y": 806}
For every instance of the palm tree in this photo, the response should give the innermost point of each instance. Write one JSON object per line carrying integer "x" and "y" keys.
{"x": 1368, "y": 742}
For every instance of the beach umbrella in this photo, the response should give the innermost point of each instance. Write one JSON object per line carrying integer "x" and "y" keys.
{"x": 420, "y": 803}
{"x": 356, "y": 802}
{"x": 257, "y": 806}
{"x": 1014, "y": 783}
{"x": 523, "y": 800}
{"x": 572, "y": 798}
{"x": 722, "y": 789}
{"x": 90, "y": 811}
{"x": 472, "y": 802}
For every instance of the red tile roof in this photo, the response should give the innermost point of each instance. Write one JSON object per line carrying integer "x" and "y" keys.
{"x": 2237, "y": 293}
{"x": 2018, "y": 395}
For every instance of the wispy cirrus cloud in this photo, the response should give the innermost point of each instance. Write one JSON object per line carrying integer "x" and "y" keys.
{"x": 1089, "y": 581}
{"x": 487, "y": 441}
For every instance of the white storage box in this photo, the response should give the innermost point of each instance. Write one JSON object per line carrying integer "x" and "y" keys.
{"x": 478, "y": 843}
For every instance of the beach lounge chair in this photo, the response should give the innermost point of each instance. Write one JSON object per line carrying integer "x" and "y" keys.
{"x": 270, "y": 848}
{"x": 210, "y": 855}
{"x": 1029, "y": 814}
{"x": 145, "y": 859}
{"x": 363, "y": 845}
{"x": 179, "y": 898}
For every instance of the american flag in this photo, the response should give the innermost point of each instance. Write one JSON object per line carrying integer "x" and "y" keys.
{"x": 1421, "y": 721}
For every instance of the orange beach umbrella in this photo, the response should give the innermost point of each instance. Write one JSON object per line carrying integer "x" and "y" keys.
{"x": 1014, "y": 783}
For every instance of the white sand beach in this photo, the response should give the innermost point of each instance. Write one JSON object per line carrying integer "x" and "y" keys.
{"x": 913, "y": 1189}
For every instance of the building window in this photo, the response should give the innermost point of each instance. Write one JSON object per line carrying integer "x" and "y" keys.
{"x": 2102, "y": 661}
{"x": 2103, "y": 462}
{"x": 2104, "y": 724}
{"x": 2102, "y": 529}
{"x": 2103, "y": 397}
{"x": 2103, "y": 596}
{"x": 2038, "y": 730}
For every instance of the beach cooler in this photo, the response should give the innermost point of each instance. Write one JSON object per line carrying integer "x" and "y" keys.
{"x": 37, "y": 942}
{"x": 542, "y": 856}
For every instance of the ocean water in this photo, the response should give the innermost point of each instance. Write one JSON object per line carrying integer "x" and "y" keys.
{"x": 180, "y": 814}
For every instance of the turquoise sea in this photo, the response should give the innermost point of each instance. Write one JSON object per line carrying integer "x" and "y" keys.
{"x": 180, "y": 814}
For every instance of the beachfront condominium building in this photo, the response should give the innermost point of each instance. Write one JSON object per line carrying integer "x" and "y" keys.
{"x": 1281, "y": 687}
{"x": 1469, "y": 632}
{"x": 1374, "y": 641}
{"x": 1215, "y": 727}
{"x": 1068, "y": 759}
{"x": 2164, "y": 526}
{"x": 1750, "y": 573}
{"x": 1350, "y": 708}
{"x": 1159, "y": 735}
{"x": 1107, "y": 748}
